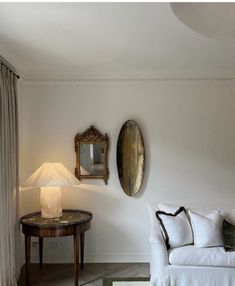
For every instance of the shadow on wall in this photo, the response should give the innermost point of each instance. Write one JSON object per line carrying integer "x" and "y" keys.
{"x": 107, "y": 224}
{"x": 83, "y": 196}
{"x": 111, "y": 228}
{"x": 29, "y": 200}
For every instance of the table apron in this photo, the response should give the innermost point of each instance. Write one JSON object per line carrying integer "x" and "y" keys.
{"x": 53, "y": 232}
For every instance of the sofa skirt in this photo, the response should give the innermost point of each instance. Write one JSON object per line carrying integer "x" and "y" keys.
{"x": 194, "y": 276}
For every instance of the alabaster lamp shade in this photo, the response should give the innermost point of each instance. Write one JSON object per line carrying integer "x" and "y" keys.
{"x": 50, "y": 177}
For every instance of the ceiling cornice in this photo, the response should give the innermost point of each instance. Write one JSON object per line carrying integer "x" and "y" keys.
{"x": 133, "y": 79}
{"x": 110, "y": 77}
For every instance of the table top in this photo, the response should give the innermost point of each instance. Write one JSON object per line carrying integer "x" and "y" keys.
{"x": 69, "y": 217}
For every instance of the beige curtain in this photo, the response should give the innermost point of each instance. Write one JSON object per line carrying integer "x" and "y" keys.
{"x": 8, "y": 175}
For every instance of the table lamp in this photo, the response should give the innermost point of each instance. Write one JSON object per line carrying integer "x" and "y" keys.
{"x": 50, "y": 177}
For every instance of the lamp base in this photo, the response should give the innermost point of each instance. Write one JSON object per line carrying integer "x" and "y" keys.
{"x": 51, "y": 199}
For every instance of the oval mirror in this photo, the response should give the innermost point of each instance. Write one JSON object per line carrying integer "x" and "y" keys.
{"x": 130, "y": 157}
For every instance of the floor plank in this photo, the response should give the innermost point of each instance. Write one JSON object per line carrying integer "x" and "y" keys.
{"x": 91, "y": 275}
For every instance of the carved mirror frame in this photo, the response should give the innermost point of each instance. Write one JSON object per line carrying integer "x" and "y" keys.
{"x": 92, "y": 136}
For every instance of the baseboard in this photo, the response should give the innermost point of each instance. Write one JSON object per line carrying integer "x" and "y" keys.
{"x": 96, "y": 258}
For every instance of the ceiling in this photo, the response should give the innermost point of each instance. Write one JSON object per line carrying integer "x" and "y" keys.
{"x": 214, "y": 20}
{"x": 116, "y": 40}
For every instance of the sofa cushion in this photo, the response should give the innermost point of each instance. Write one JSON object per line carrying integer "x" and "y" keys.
{"x": 193, "y": 256}
{"x": 176, "y": 227}
{"x": 207, "y": 230}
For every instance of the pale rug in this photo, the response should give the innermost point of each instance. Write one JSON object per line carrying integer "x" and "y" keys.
{"x": 132, "y": 283}
{"x": 137, "y": 281}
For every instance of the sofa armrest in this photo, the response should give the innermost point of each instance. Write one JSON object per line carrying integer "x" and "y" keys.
{"x": 158, "y": 257}
{"x": 158, "y": 251}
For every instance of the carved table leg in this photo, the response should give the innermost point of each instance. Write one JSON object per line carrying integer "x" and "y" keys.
{"x": 40, "y": 250}
{"x": 27, "y": 258}
{"x": 82, "y": 239}
{"x": 76, "y": 257}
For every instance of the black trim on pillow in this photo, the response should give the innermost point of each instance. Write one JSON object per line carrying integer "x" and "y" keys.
{"x": 228, "y": 234}
{"x": 181, "y": 209}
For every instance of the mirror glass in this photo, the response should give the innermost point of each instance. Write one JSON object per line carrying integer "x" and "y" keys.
{"x": 91, "y": 159}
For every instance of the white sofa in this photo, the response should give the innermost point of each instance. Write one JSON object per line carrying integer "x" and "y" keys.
{"x": 189, "y": 265}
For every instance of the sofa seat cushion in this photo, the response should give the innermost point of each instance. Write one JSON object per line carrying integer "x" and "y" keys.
{"x": 193, "y": 256}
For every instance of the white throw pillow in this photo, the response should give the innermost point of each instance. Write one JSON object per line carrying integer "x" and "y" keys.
{"x": 176, "y": 228}
{"x": 207, "y": 230}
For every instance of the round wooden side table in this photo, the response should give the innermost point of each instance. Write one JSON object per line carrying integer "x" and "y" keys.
{"x": 72, "y": 222}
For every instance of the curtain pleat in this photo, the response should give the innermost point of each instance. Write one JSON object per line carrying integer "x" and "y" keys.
{"x": 9, "y": 181}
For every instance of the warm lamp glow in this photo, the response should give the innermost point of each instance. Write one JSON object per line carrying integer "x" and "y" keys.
{"x": 50, "y": 177}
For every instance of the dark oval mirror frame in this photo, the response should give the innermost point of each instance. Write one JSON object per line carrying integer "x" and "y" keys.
{"x": 92, "y": 136}
{"x": 130, "y": 158}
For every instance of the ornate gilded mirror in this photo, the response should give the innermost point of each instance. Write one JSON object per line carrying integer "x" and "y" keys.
{"x": 91, "y": 149}
{"x": 130, "y": 157}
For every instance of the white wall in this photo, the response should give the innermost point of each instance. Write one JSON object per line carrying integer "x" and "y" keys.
{"x": 189, "y": 133}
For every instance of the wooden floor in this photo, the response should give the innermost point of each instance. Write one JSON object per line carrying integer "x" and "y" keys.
{"x": 91, "y": 275}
